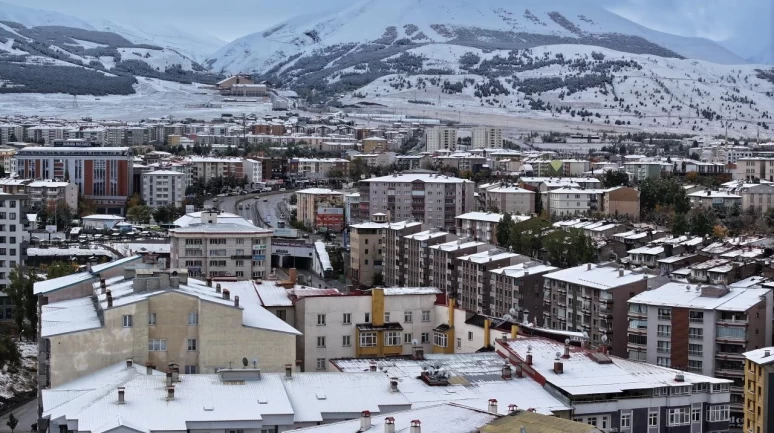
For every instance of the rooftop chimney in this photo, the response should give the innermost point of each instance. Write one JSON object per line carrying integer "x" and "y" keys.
{"x": 109, "y": 296}
{"x": 102, "y": 285}
{"x": 389, "y": 425}
{"x": 512, "y": 408}
{"x": 288, "y": 371}
{"x": 507, "y": 374}
{"x": 566, "y": 349}
{"x": 169, "y": 377}
{"x": 148, "y": 368}
{"x": 558, "y": 366}
{"x": 416, "y": 426}
{"x": 492, "y": 405}
{"x": 372, "y": 367}
{"x": 529, "y": 358}
{"x": 293, "y": 275}
{"x": 121, "y": 399}
{"x": 171, "y": 392}
{"x": 209, "y": 282}
{"x": 766, "y": 353}
{"x": 679, "y": 377}
{"x": 620, "y": 272}
{"x": 588, "y": 266}
{"x": 226, "y": 294}
{"x": 394, "y": 384}
{"x": 217, "y": 286}
{"x": 365, "y": 420}
{"x": 236, "y": 301}
{"x": 519, "y": 372}
{"x": 129, "y": 362}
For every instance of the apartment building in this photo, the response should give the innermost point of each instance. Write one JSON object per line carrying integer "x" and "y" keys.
{"x": 428, "y": 197}
{"x": 416, "y": 255}
{"x": 215, "y": 249}
{"x": 204, "y": 168}
{"x": 443, "y": 262}
{"x": 714, "y": 199}
{"x": 394, "y": 251}
{"x": 473, "y": 283}
{"x": 620, "y": 201}
{"x": 566, "y": 202}
{"x": 758, "y": 198}
{"x": 482, "y": 226}
{"x": 13, "y": 243}
{"x": 253, "y": 169}
{"x": 702, "y": 329}
{"x": 7, "y": 160}
{"x": 511, "y": 199}
{"x": 758, "y": 383}
{"x": 40, "y": 192}
{"x": 103, "y": 174}
{"x": 366, "y": 255}
{"x": 440, "y": 138}
{"x": 592, "y": 298}
{"x": 641, "y": 170}
{"x": 163, "y": 188}
{"x": 618, "y": 394}
{"x": 10, "y": 133}
{"x": 318, "y": 168}
{"x": 520, "y": 288}
{"x": 375, "y": 145}
{"x": 749, "y": 169}
{"x": 386, "y": 322}
{"x": 155, "y": 317}
{"x": 320, "y": 208}
{"x": 484, "y": 137}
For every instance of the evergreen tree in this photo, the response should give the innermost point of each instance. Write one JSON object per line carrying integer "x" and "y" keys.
{"x": 503, "y": 230}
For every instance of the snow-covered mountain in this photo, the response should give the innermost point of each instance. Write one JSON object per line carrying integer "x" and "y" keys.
{"x": 502, "y": 24}
{"x": 196, "y": 46}
{"x": 31, "y": 17}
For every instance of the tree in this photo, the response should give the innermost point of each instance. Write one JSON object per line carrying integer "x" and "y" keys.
{"x": 86, "y": 207}
{"x": 702, "y": 221}
{"x": 67, "y": 174}
{"x": 719, "y": 232}
{"x": 139, "y": 214}
{"x": 135, "y": 200}
{"x": 21, "y": 291}
{"x": 60, "y": 269}
{"x": 9, "y": 352}
{"x": 2, "y": 170}
{"x": 503, "y": 231}
{"x": 538, "y": 202}
{"x": 12, "y": 422}
{"x": 615, "y": 178}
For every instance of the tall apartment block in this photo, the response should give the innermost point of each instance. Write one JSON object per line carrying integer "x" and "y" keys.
{"x": 441, "y": 138}
{"x": 443, "y": 262}
{"x": 474, "y": 286}
{"x": 518, "y": 287}
{"x": 103, "y": 174}
{"x": 394, "y": 268}
{"x": 416, "y": 257}
{"x": 434, "y": 199}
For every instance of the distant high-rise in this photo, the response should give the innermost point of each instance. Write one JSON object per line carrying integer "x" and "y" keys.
{"x": 487, "y": 138}
{"x": 441, "y": 138}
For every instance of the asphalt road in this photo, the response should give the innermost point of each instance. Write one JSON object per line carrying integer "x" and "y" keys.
{"x": 26, "y": 414}
{"x": 250, "y": 206}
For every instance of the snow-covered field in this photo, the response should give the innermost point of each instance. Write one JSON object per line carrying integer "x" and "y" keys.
{"x": 23, "y": 380}
{"x": 154, "y": 98}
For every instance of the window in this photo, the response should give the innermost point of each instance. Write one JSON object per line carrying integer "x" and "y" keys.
{"x": 664, "y": 331}
{"x": 367, "y": 318}
{"x": 151, "y": 318}
{"x": 664, "y": 390}
{"x": 346, "y": 341}
{"x": 321, "y": 320}
{"x": 626, "y": 421}
{"x": 190, "y": 369}
{"x": 425, "y": 337}
{"x": 425, "y": 316}
{"x": 346, "y": 318}
{"x": 386, "y": 317}
{"x": 439, "y": 339}
{"x": 695, "y": 415}
{"x": 192, "y": 345}
{"x": 718, "y": 413}
{"x": 696, "y": 316}
{"x": 592, "y": 420}
{"x": 695, "y": 366}
{"x": 664, "y": 347}
{"x": 157, "y": 345}
{"x": 392, "y": 338}
{"x": 193, "y": 318}
{"x": 127, "y": 319}
{"x": 459, "y": 343}
{"x": 665, "y": 314}
{"x": 470, "y": 336}
{"x": 407, "y": 338}
{"x": 320, "y": 341}
{"x": 407, "y": 316}
{"x": 653, "y": 419}
{"x": 681, "y": 390}
{"x": 696, "y": 333}
{"x": 679, "y": 416}
{"x": 321, "y": 363}
{"x": 695, "y": 349}
{"x": 726, "y": 331}
{"x": 663, "y": 362}
{"x": 281, "y": 314}
{"x": 368, "y": 339}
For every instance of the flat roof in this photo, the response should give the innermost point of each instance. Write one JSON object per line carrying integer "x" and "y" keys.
{"x": 762, "y": 356}
{"x": 52, "y": 285}
{"x": 523, "y": 269}
{"x": 690, "y": 296}
{"x": 421, "y": 177}
{"x": 596, "y": 276}
{"x": 491, "y": 217}
{"x": 223, "y": 228}
{"x": 457, "y": 245}
{"x": 398, "y": 291}
{"x": 488, "y": 256}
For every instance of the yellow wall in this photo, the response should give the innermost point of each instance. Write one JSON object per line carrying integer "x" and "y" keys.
{"x": 377, "y": 307}
{"x": 755, "y": 390}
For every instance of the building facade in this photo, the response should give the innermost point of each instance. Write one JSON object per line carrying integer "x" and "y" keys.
{"x": 441, "y": 138}
{"x": 163, "y": 188}
{"x": 484, "y": 137}
{"x": 320, "y": 208}
{"x": 473, "y": 283}
{"x": 758, "y": 383}
{"x": 40, "y": 192}
{"x": 366, "y": 255}
{"x": 394, "y": 251}
{"x": 511, "y": 199}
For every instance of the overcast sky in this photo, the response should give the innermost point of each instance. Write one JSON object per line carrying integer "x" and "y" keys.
{"x": 230, "y": 19}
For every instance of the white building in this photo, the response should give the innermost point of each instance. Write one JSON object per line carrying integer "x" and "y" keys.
{"x": 485, "y": 137}
{"x": 573, "y": 201}
{"x": 163, "y": 188}
{"x": 253, "y": 169}
{"x": 441, "y": 138}
{"x": 13, "y": 240}
{"x": 511, "y": 199}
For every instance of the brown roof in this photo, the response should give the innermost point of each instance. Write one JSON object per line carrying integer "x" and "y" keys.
{"x": 536, "y": 423}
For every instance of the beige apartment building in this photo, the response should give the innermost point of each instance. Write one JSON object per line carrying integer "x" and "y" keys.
{"x": 394, "y": 251}
{"x": 443, "y": 261}
{"x": 592, "y": 298}
{"x": 482, "y": 226}
{"x": 518, "y": 287}
{"x": 511, "y": 199}
{"x": 473, "y": 282}
{"x": 416, "y": 257}
{"x": 366, "y": 255}
{"x": 213, "y": 249}
{"x": 157, "y": 317}
{"x": 432, "y": 198}
{"x": 42, "y": 191}
{"x": 748, "y": 169}
{"x": 6, "y": 158}
{"x": 207, "y": 167}
{"x": 441, "y": 138}
{"x": 484, "y": 137}
{"x": 759, "y": 198}
{"x": 320, "y": 207}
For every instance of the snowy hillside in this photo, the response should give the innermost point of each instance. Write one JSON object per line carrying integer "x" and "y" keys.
{"x": 30, "y": 17}
{"x": 576, "y": 83}
{"x": 502, "y": 24}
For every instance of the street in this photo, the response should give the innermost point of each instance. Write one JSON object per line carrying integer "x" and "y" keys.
{"x": 245, "y": 206}
{"x": 27, "y": 415}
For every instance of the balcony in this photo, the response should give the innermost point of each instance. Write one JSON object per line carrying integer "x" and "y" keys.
{"x": 639, "y": 331}
{"x": 729, "y": 355}
{"x": 636, "y": 347}
{"x": 732, "y": 322}
{"x": 727, "y": 372}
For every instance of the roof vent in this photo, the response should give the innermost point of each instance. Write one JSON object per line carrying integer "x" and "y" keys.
{"x": 492, "y": 405}
{"x": 679, "y": 377}
{"x": 121, "y": 393}
{"x": 365, "y": 420}
{"x": 766, "y": 353}
{"x": 416, "y": 426}
{"x": 389, "y": 425}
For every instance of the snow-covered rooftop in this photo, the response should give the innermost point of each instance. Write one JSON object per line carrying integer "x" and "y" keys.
{"x": 71, "y": 251}
{"x": 596, "y": 276}
{"x": 490, "y": 217}
{"x": 221, "y": 227}
{"x": 522, "y": 269}
{"x": 397, "y": 291}
{"x": 320, "y": 191}
{"x": 647, "y": 250}
{"x": 223, "y": 217}
{"x": 488, "y": 256}
{"x": 48, "y": 286}
{"x": 426, "y": 235}
{"x": 457, "y": 245}
{"x": 762, "y": 356}
{"x": 421, "y": 177}
{"x": 690, "y": 296}
{"x": 322, "y": 254}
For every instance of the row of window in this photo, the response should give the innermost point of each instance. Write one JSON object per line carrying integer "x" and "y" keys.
{"x": 408, "y": 317}
{"x": 675, "y": 417}
{"x": 128, "y": 319}
{"x": 160, "y": 345}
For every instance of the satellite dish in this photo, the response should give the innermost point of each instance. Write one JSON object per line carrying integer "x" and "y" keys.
{"x": 512, "y": 311}
{"x": 567, "y": 341}
{"x": 558, "y": 354}
{"x": 604, "y": 338}
{"x": 244, "y": 362}
{"x": 414, "y": 342}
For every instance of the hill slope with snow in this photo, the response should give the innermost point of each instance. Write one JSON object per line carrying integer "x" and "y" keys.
{"x": 30, "y": 17}
{"x": 497, "y": 24}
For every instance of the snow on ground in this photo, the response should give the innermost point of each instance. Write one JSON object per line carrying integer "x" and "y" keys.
{"x": 108, "y": 61}
{"x": 154, "y": 98}
{"x": 88, "y": 44}
{"x": 85, "y": 60}
{"x": 157, "y": 59}
{"x": 23, "y": 378}
{"x": 10, "y": 29}
{"x": 7, "y": 46}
